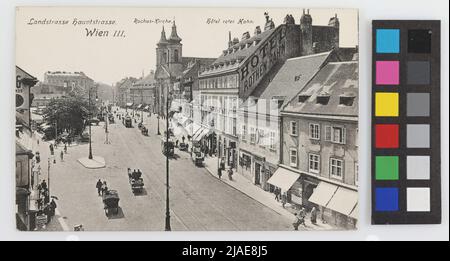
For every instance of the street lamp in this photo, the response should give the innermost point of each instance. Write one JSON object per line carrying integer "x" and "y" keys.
{"x": 90, "y": 123}
{"x": 167, "y": 165}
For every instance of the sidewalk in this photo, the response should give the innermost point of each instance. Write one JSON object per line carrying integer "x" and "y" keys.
{"x": 266, "y": 198}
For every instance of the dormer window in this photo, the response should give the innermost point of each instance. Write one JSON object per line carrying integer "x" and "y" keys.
{"x": 303, "y": 98}
{"x": 347, "y": 99}
{"x": 323, "y": 98}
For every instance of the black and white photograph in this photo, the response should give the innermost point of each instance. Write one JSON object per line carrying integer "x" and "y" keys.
{"x": 186, "y": 119}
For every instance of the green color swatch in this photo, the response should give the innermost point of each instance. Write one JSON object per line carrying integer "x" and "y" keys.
{"x": 386, "y": 167}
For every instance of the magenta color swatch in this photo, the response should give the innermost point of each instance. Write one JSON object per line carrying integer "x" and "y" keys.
{"x": 387, "y": 73}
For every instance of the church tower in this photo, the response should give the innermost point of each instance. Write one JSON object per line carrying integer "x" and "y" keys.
{"x": 174, "y": 49}
{"x": 306, "y": 32}
{"x": 161, "y": 50}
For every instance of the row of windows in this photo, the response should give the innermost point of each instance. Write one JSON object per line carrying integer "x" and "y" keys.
{"x": 225, "y": 105}
{"x": 227, "y": 81}
{"x": 336, "y": 169}
{"x": 261, "y": 137}
{"x": 335, "y": 134}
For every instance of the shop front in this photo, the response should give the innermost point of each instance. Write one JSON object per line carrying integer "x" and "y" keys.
{"x": 284, "y": 179}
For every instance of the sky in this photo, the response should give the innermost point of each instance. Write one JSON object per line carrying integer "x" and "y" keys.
{"x": 56, "y": 47}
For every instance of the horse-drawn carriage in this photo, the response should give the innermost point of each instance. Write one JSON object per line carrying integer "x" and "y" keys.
{"x": 136, "y": 181}
{"x": 111, "y": 202}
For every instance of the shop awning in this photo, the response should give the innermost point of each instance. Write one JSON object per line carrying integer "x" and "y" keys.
{"x": 146, "y": 107}
{"x": 139, "y": 106}
{"x": 192, "y": 128}
{"x": 323, "y": 193}
{"x": 203, "y": 133}
{"x": 283, "y": 179}
{"x": 343, "y": 201}
{"x": 183, "y": 120}
{"x": 355, "y": 212}
{"x": 129, "y": 104}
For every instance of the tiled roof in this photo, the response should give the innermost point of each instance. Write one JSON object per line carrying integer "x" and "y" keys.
{"x": 147, "y": 80}
{"x": 240, "y": 52}
{"x": 292, "y": 77}
{"x": 336, "y": 80}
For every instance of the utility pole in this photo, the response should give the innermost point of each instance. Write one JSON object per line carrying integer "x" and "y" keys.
{"x": 168, "y": 228}
{"x": 90, "y": 123}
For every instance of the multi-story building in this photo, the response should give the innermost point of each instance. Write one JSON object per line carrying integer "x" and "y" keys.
{"x": 122, "y": 91}
{"x": 171, "y": 67}
{"x": 25, "y": 207}
{"x": 59, "y": 83}
{"x": 320, "y": 145}
{"x": 248, "y": 66}
{"x": 142, "y": 92}
{"x": 260, "y": 124}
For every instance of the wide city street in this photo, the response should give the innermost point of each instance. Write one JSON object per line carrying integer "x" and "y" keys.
{"x": 198, "y": 201}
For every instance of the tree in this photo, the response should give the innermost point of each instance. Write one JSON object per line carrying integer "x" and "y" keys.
{"x": 70, "y": 113}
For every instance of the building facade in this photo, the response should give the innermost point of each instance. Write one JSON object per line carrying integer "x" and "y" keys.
{"x": 320, "y": 144}
{"x": 122, "y": 91}
{"x": 243, "y": 71}
{"x": 25, "y": 206}
{"x": 59, "y": 83}
{"x": 142, "y": 91}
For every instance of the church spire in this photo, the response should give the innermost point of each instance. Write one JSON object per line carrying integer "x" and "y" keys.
{"x": 163, "y": 39}
{"x": 174, "y": 36}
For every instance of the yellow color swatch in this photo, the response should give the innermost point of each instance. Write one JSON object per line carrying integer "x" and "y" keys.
{"x": 386, "y": 104}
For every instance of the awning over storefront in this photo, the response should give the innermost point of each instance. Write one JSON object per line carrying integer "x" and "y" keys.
{"x": 192, "y": 128}
{"x": 129, "y": 104}
{"x": 184, "y": 120}
{"x": 139, "y": 106}
{"x": 343, "y": 201}
{"x": 283, "y": 179}
{"x": 355, "y": 212}
{"x": 201, "y": 134}
{"x": 323, "y": 193}
{"x": 146, "y": 107}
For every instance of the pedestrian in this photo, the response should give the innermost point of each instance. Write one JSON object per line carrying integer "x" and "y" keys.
{"x": 104, "y": 188}
{"x": 183, "y": 138}
{"x": 176, "y": 143}
{"x": 230, "y": 174}
{"x": 47, "y": 212}
{"x": 314, "y": 215}
{"x": 98, "y": 186}
{"x": 46, "y": 197}
{"x": 44, "y": 185}
{"x": 277, "y": 194}
{"x": 53, "y": 207}
{"x": 37, "y": 141}
{"x": 296, "y": 222}
{"x": 62, "y": 155}
{"x": 222, "y": 164}
{"x": 65, "y": 148}
{"x": 283, "y": 200}
{"x": 302, "y": 216}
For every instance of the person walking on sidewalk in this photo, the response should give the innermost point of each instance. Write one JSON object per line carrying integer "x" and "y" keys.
{"x": 314, "y": 215}
{"x": 277, "y": 194}
{"x": 98, "y": 186}
{"x": 61, "y": 155}
{"x": 65, "y": 148}
{"x": 283, "y": 200}
{"x": 230, "y": 174}
{"x": 302, "y": 216}
{"x": 183, "y": 138}
{"x": 296, "y": 222}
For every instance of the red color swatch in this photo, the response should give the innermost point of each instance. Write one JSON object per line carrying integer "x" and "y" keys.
{"x": 386, "y": 136}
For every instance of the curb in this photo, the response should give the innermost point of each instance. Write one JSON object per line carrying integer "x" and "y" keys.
{"x": 262, "y": 203}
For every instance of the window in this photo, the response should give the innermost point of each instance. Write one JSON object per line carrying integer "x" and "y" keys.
{"x": 252, "y": 135}
{"x": 314, "y": 163}
{"x": 261, "y": 137}
{"x": 244, "y": 132}
{"x": 335, "y": 134}
{"x": 272, "y": 140}
{"x": 293, "y": 129}
{"x": 293, "y": 157}
{"x": 356, "y": 173}
{"x": 314, "y": 131}
{"x": 336, "y": 168}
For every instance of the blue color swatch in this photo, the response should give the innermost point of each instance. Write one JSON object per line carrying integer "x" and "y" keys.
{"x": 386, "y": 199}
{"x": 388, "y": 41}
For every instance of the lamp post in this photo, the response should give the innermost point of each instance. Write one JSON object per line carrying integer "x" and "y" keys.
{"x": 90, "y": 122}
{"x": 167, "y": 166}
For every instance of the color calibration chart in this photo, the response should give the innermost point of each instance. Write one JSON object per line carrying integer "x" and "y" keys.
{"x": 406, "y": 186}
